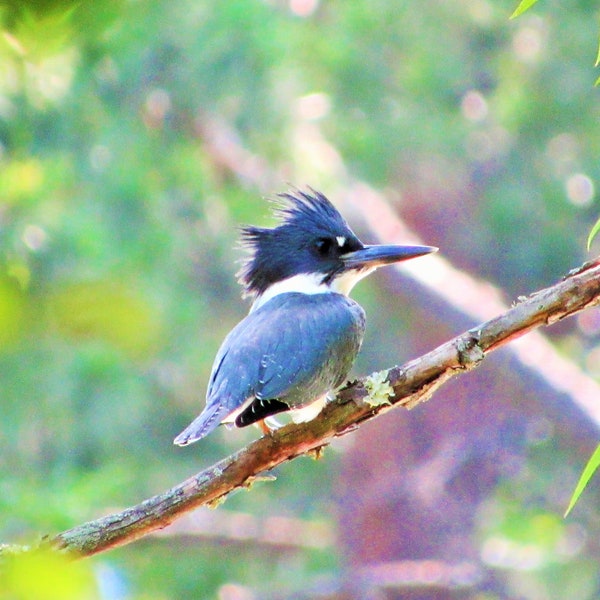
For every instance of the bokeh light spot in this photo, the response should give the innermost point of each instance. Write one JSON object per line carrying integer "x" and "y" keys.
{"x": 474, "y": 106}
{"x": 303, "y": 8}
{"x": 580, "y": 189}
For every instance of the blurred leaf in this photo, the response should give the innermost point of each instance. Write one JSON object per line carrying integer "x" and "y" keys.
{"x": 596, "y": 226}
{"x": 524, "y": 5}
{"x": 45, "y": 575}
{"x": 36, "y": 35}
{"x": 12, "y": 308}
{"x": 108, "y": 311}
{"x": 21, "y": 180}
{"x": 590, "y": 469}
{"x": 17, "y": 8}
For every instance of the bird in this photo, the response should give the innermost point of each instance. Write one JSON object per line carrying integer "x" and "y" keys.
{"x": 303, "y": 331}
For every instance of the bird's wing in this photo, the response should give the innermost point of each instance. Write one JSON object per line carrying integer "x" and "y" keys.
{"x": 289, "y": 352}
{"x": 292, "y": 350}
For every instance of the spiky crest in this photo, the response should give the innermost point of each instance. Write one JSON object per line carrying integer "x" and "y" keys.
{"x": 306, "y": 218}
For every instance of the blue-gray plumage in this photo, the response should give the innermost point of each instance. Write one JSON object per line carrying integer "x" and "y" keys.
{"x": 302, "y": 334}
{"x": 307, "y": 346}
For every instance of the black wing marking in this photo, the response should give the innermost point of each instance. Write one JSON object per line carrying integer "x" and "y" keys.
{"x": 258, "y": 410}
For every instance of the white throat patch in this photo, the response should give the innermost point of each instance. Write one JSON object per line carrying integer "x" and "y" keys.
{"x": 312, "y": 283}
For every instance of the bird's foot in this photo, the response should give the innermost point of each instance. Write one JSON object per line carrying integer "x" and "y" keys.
{"x": 268, "y": 425}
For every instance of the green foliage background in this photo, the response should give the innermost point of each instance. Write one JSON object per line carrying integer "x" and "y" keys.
{"x": 118, "y": 225}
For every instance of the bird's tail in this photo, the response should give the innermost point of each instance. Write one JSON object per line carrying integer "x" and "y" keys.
{"x": 201, "y": 426}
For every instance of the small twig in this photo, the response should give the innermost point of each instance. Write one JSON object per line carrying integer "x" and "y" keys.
{"x": 359, "y": 401}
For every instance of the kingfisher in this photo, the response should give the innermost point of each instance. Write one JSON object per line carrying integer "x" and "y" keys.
{"x": 303, "y": 332}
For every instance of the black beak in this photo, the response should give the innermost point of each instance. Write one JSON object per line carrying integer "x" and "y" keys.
{"x": 377, "y": 256}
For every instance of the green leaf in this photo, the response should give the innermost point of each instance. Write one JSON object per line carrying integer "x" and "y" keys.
{"x": 523, "y": 6}
{"x": 596, "y": 228}
{"x": 597, "y": 57}
{"x": 592, "y": 464}
{"x": 46, "y": 575}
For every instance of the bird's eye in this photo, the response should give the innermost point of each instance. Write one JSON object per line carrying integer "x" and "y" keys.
{"x": 324, "y": 246}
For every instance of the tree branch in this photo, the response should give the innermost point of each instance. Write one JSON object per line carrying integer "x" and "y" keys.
{"x": 359, "y": 401}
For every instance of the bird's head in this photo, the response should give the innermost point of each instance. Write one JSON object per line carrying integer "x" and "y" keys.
{"x": 311, "y": 248}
